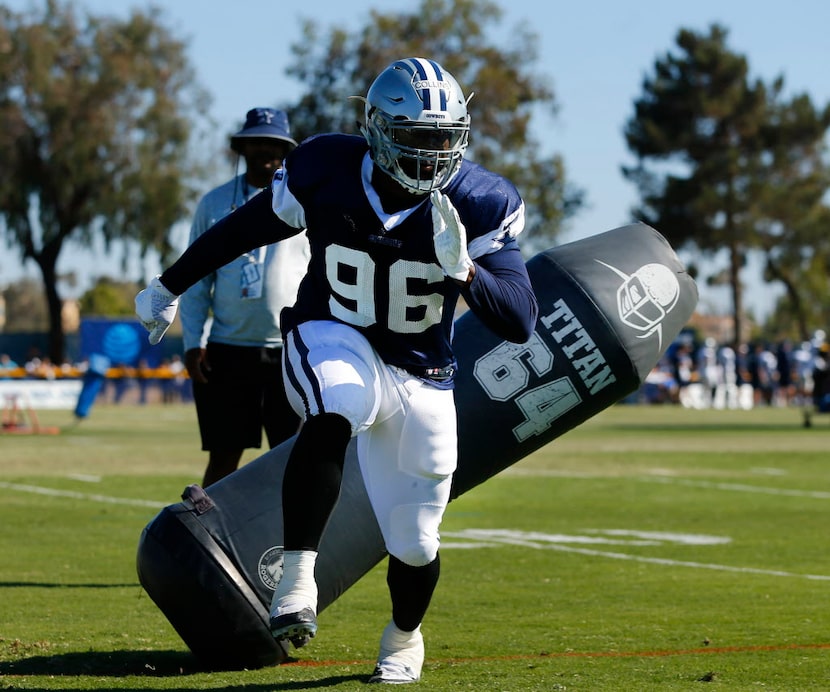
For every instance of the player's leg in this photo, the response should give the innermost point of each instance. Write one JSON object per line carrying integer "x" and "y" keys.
{"x": 228, "y": 408}
{"x": 401, "y": 655}
{"x": 311, "y": 486}
{"x": 331, "y": 380}
{"x": 407, "y": 463}
{"x": 221, "y": 463}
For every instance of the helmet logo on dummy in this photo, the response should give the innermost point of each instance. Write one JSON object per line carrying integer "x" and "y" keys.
{"x": 646, "y": 297}
{"x": 269, "y": 567}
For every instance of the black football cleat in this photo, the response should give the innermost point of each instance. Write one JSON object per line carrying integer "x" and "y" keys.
{"x": 295, "y": 627}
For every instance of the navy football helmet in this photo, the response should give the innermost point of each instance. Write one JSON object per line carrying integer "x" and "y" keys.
{"x": 417, "y": 124}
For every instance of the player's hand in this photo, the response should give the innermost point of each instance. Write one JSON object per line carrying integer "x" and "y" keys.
{"x": 449, "y": 238}
{"x": 156, "y": 308}
{"x": 196, "y": 363}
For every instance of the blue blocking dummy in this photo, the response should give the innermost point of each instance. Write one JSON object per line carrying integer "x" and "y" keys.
{"x": 610, "y": 305}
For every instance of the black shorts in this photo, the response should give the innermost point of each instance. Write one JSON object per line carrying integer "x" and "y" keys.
{"x": 244, "y": 394}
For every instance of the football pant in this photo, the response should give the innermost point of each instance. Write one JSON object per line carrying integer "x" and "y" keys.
{"x": 405, "y": 428}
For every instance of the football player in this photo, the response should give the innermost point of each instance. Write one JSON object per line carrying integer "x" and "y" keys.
{"x": 399, "y": 226}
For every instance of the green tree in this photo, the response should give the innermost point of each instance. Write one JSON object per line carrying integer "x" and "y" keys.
{"x": 25, "y": 307}
{"x": 336, "y": 64}
{"x": 720, "y": 160}
{"x": 793, "y": 218}
{"x": 700, "y": 118}
{"x": 95, "y": 119}
{"x": 109, "y": 298}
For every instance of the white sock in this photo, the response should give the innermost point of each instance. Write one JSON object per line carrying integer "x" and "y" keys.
{"x": 296, "y": 589}
{"x": 397, "y": 642}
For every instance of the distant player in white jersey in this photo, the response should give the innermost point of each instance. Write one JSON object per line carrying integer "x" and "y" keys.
{"x": 399, "y": 226}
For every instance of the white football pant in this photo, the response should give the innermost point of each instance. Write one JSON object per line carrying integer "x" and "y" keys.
{"x": 405, "y": 428}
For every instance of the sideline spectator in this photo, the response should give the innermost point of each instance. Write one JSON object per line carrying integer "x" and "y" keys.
{"x": 7, "y": 365}
{"x": 762, "y": 373}
{"x": 709, "y": 369}
{"x": 785, "y": 378}
{"x": 804, "y": 362}
{"x": 230, "y": 319}
{"x": 821, "y": 379}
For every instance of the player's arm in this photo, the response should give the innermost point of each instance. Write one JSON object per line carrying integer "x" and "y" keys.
{"x": 252, "y": 225}
{"x": 196, "y": 301}
{"x": 496, "y": 285}
{"x": 501, "y": 296}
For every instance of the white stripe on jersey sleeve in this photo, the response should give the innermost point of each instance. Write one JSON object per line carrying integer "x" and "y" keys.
{"x": 284, "y": 203}
{"x": 495, "y": 239}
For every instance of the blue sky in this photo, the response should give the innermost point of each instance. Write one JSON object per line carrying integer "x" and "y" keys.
{"x": 594, "y": 53}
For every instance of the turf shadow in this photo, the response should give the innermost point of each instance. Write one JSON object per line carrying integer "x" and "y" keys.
{"x": 107, "y": 664}
{"x": 160, "y": 664}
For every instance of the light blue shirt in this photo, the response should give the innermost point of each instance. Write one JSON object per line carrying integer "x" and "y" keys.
{"x": 215, "y": 309}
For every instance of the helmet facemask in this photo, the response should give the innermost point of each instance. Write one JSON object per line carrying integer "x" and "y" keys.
{"x": 421, "y": 156}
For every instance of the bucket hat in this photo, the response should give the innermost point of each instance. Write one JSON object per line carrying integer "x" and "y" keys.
{"x": 266, "y": 123}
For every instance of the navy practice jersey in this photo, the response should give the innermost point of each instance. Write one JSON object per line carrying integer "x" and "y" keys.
{"x": 384, "y": 281}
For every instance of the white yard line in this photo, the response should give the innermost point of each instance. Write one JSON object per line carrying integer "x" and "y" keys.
{"x": 40, "y": 490}
{"x": 495, "y": 538}
{"x": 684, "y": 563}
{"x": 659, "y": 477}
{"x": 739, "y": 487}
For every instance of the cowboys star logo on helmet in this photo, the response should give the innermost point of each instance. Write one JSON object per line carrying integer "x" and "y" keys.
{"x": 646, "y": 297}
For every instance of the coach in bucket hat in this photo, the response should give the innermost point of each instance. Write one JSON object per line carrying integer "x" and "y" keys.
{"x": 230, "y": 319}
{"x": 264, "y": 123}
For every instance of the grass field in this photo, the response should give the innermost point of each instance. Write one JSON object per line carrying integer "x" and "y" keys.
{"x": 653, "y": 548}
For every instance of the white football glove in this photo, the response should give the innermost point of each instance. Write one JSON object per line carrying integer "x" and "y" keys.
{"x": 449, "y": 238}
{"x": 156, "y": 308}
